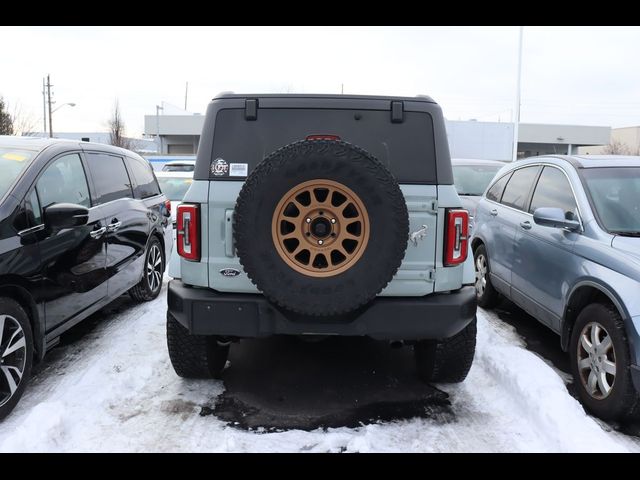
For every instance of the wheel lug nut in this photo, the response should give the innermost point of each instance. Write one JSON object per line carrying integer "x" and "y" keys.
{"x": 320, "y": 213}
{"x": 333, "y": 220}
{"x": 308, "y": 220}
{"x": 320, "y": 242}
{"x": 308, "y": 234}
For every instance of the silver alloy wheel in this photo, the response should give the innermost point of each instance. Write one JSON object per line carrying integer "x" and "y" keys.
{"x": 154, "y": 268}
{"x": 13, "y": 356}
{"x": 481, "y": 274}
{"x": 596, "y": 360}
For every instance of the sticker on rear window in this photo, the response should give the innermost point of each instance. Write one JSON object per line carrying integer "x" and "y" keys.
{"x": 219, "y": 167}
{"x": 238, "y": 169}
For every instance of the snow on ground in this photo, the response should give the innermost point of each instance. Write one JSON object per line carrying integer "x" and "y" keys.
{"x": 115, "y": 390}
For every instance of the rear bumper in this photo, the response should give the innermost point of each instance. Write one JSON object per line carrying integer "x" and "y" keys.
{"x": 208, "y": 312}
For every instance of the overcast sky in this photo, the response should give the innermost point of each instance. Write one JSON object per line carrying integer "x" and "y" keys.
{"x": 578, "y": 75}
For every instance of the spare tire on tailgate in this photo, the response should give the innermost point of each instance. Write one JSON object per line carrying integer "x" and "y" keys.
{"x": 321, "y": 227}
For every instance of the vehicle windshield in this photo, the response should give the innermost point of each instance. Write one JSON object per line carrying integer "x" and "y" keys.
{"x": 182, "y": 167}
{"x": 473, "y": 179}
{"x": 615, "y": 196}
{"x": 12, "y": 163}
{"x": 174, "y": 187}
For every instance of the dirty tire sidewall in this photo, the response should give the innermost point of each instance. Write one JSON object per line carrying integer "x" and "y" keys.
{"x": 13, "y": 308}
{"x": 366, "y": 177}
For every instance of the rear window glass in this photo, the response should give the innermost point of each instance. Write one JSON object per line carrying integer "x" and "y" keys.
{"x": 407, "y": 148}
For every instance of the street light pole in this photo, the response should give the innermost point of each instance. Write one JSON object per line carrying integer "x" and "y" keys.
{"x": 44, "y": 107}
{"x": 516, "y": 123}
{"x": 49, "y": 101}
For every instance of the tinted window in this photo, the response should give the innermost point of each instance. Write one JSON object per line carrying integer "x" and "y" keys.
{"x": 495, "y": 192}
{"x": 517, "y": 191}
{"x": 146, "y": 185}
{"x": 554, "y": 190}
{"x": 109, "y": 177}
{"x": 64, "y": 181}
{"x": 406, "y": 148}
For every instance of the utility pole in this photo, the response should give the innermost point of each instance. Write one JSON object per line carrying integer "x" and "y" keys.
{"x": 49, "y": 101}
{"x": 44, "y": 107}
{"x": 342, "y": 89}
{"x": 516, "y": 123}
{"x": 186, "y": 90}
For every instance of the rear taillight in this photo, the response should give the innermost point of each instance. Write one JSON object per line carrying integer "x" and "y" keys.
{"x": 323, "y": 137}
{"x": 167, "y": 206}
{"x": 457, "y": 237}
{"x": 188, "y": 229}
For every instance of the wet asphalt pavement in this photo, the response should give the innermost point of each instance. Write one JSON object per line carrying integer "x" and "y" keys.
{"x": 288, "y": 382}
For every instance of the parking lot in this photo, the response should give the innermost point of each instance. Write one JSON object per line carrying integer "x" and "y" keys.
{"x": 110, "y": 387}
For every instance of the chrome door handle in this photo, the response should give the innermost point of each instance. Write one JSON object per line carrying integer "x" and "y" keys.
{"x": 526, "y": 225}
{"x": 494, "y": 212}
{"x": 98, "y": 233}
{"x": 112, "y": 227}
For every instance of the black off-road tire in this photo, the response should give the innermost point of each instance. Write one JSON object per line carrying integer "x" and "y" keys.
{"x": 12, "y": 308}
{"x": 449, "y": 360}
{"x": 490, "y": 297}
{"x": 623, "y": 402}
{"x": 330, "y": 160}
{"x": 195, "y": 356}
{"x": 144, "y": 291}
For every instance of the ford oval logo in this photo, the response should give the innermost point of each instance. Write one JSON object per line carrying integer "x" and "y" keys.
{"x": 229, "y": 272}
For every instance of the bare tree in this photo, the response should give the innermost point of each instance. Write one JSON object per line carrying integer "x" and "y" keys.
{"x": 117, "y": 129}
{"x": 23, "y": 122}
{"x": 616, "y": 147}
{"x": 6, "y": 121}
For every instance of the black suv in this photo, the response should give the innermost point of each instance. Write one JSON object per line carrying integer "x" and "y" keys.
{"x": 80, "y": 224}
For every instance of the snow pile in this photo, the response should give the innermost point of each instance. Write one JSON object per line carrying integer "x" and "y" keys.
{"x": 114, "y": 390}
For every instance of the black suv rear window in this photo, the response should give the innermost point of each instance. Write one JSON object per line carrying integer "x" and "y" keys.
{"x": 407, "y": 148}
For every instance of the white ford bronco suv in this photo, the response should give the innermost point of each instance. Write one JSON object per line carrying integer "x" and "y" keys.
{"x": 323, "y": 215}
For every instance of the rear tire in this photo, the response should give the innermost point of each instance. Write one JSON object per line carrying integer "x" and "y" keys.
{"x": 15, "y": 366}
{"x": 149, "y": 287}
{"x": 622, "y": 401}
{"x": 195, "y": 356}
{"x": 449, "y": 360}
{"x": 487, "y": 296}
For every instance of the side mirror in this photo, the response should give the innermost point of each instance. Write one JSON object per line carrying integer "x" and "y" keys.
{"x": 554, "y": 217}
{"x": 65, "y": 215}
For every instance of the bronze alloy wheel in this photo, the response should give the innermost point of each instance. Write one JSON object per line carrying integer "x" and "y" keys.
{"x": 320, "y": 228}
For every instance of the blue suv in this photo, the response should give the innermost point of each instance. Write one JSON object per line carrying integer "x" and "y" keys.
{"x": 560, "y": 237}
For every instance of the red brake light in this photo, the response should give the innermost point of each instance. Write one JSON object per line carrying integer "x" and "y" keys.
{"x": 167, "y": 206}
{"x": 323, "y": 137}
{"x": 188, "y": 230}
{"x": 457, "y": 237}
